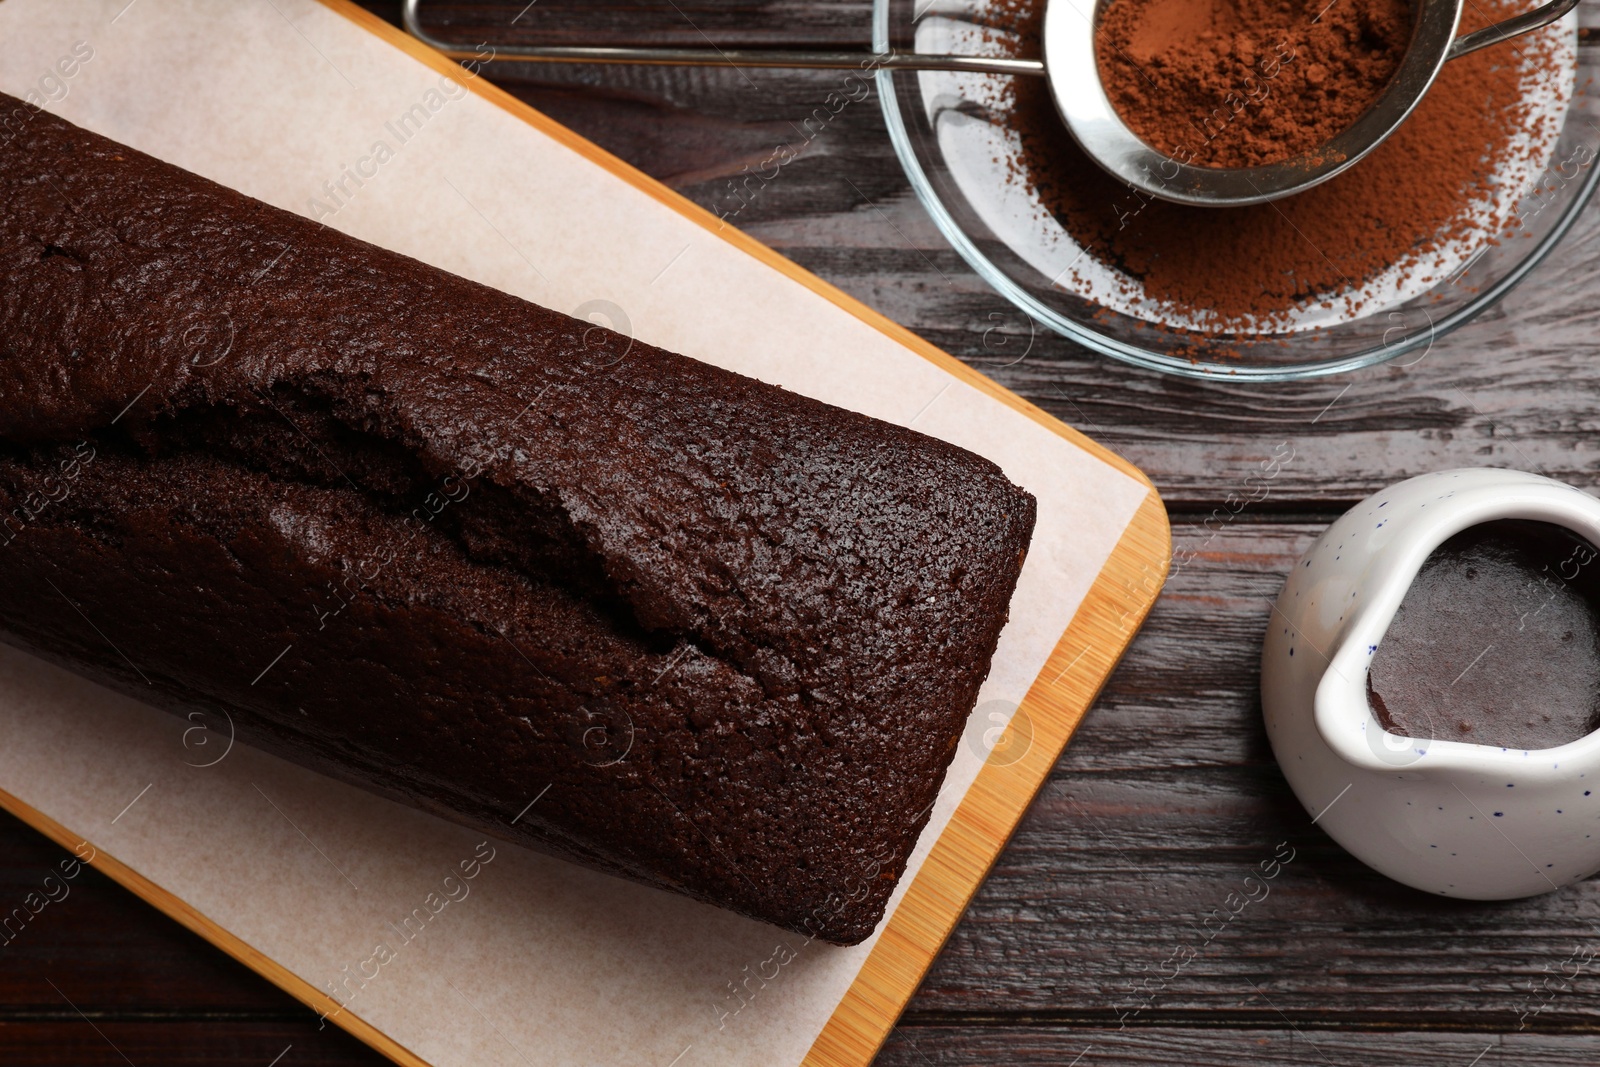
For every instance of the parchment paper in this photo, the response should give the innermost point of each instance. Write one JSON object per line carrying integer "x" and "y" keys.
{"x": 532, "y": 960}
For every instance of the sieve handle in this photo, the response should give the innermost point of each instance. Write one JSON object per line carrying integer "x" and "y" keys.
{"x": 1515, "y": 26}
{"x": 719, "y": 57}
{"x": 865, "y": 61}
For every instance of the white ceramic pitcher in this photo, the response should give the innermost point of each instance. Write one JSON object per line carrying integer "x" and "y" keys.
{"x": 1447, "y": 817}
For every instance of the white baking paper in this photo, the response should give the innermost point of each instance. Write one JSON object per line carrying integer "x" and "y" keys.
{"x": 532, "y": 960}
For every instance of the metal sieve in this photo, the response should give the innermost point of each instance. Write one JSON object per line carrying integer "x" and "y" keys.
{"x": 1073, "y": 73}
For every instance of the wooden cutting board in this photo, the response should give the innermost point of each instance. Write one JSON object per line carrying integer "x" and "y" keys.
{"x": 323, "y": 109}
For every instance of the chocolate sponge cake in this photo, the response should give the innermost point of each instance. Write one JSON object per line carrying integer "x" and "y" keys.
{"x": 470, "y": 552}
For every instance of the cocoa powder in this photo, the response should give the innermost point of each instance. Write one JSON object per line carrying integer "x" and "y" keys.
{"x": 1239, "y": 271}
{"x": 1242, "y": 83}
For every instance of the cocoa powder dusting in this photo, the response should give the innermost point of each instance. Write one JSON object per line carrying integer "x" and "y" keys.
{"x": 1243, "y": 83}
{"x": 1239, "y": 271}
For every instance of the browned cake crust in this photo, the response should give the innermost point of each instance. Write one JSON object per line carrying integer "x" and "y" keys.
{"x": 727, "y": 634}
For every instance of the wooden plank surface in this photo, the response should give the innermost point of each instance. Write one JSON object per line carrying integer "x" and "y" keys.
{"x": 1223, "y": 1047}
{"x": 1168, "y": 793}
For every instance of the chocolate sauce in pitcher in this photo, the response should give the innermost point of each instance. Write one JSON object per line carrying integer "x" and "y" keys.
{"x": 1497, "y": 641}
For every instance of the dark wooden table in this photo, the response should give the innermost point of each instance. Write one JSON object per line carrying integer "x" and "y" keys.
{"x": 1169, "y": 795}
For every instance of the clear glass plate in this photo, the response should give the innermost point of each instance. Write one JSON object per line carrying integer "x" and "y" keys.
{"x": 957, "y": 153}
